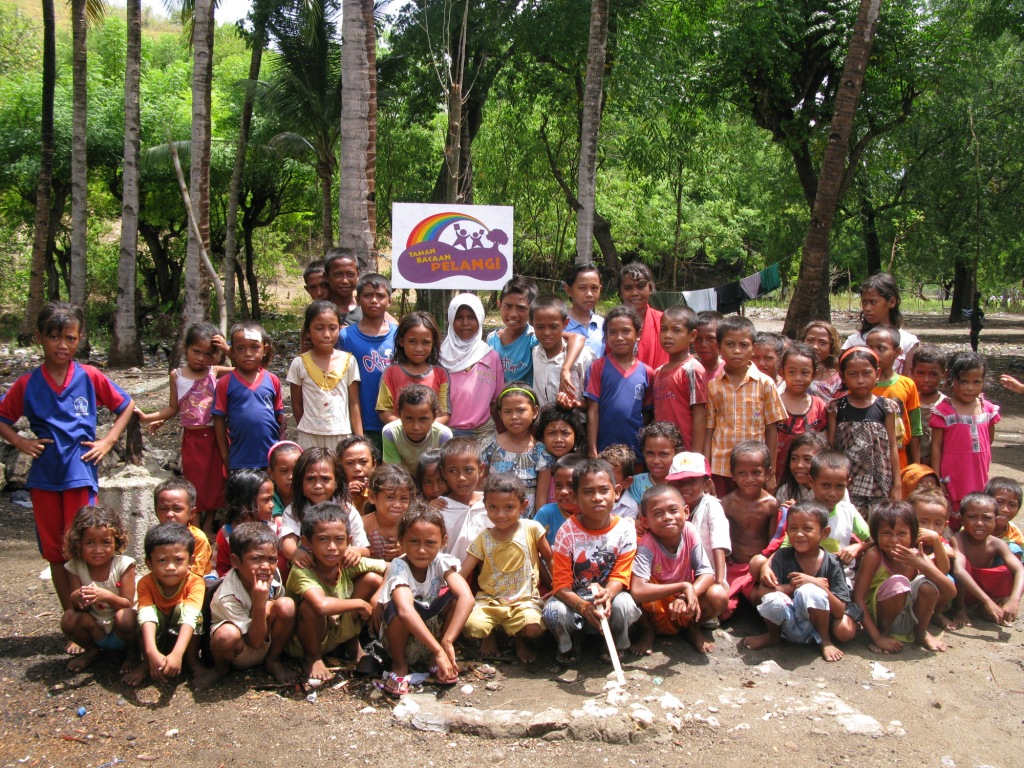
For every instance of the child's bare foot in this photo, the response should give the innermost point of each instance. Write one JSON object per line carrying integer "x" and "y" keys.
{"x": 644, "y": 642}
{"x": 700, "y": 641}
{"x": 83, "y": 659}
{"x": 960, "y": 619}
{"x": 933, "y": 643}
{"x": 942, "y": 621}
{"x": 830, "y": 652}
{"x": 73, "y": 649}
{"x": 489, "y": 647}
{"x": 524, "y": 652}
{"x": 280, "y": 672}
{"x": 203, "y": 679}
{"x": 757, "y": 642}
{"x": 137, "y": 676}
{"x": 317, "y": 670}
{"x": 131, "y": 661}
{"x": 878, "y": 649}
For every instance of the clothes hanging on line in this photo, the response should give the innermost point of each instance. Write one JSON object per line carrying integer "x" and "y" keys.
{"x": 730, "y": 298}
{"x": 751, "y": 285}
{"x": 770, "y": 279}
{"x": 701, "y": 301}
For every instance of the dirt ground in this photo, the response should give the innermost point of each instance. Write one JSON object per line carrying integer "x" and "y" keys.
{"x": 960, "y": 708}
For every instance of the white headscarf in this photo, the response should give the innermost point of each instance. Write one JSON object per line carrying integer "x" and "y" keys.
{"x": 458, "y": 355}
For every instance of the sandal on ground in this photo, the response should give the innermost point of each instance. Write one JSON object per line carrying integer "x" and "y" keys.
{"x": 395, "y": 685}
{"x": 436, "y": 674}
{"x": 570, "y": 658}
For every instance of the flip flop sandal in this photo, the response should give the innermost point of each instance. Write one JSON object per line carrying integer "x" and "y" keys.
{"x": 393, "y": 685}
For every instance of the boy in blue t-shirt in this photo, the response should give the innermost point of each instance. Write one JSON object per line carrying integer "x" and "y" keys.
{"x": 618, "y": 389}
{"x": 514, "y": 342}
{"x": 248, "y": 410}
{"x": 372, "y": 342}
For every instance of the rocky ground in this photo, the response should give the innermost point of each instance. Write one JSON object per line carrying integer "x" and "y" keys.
{"x": 735, "y": 707}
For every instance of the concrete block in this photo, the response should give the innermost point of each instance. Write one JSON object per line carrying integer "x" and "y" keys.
{"x": 130, "y": 492}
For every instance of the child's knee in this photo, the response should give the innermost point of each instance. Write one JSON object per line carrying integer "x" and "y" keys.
{"x": 125, "y": 621}
{"x": 226, "y": 639}
{"x": 531, "y": 631}
{"x": 811, "y": 597}
{"x": 714, "y": 600}
{"x": 282, "y": 608}
{"x": 844, "y": 629}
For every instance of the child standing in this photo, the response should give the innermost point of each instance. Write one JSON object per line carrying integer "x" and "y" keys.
{"x": 583, "y": 285}
{"x": 170, "y": 606}
{"x": 174, "y": 501}
{"x": 463, "y": 511}
{"x": 60, "y": 399}
{"x": 391, "y": 492}
{"x": 636, "y": 284}
{"x": 660, "y": 441}
{"x": 549, "y": 318}
{"x": 417, "y": 429}
{"x": 357, "y": 457}
{"x": 420, "y": 619}
{"x": 592, "y": 561}
{"x": 898, "y": 586}
{"x": 986, "y": 572}
{"x": 314, "y": 280}
{"x": 804, "y": 412}
{"x": 928, "y": 371}
{"x": 963, "y": 429}
{"x": 705, "y": 344}
{"x": 552, "y": 516}
{"x": 618, "y": 390}
{"x": 328, "y": 612}
{"x": 823, "y": 338}
{"x": 508, "y": 555}
{"x": 101, "y": 616}
{"x": 863, "y": 426}
{"x": 417, "y": 352}
{"x": 810, "y": 600}
{"x": 474, "y": 370}
{"x": 880, "y": 305}
{"x": 743, "y": 404}
{"x": 250, "y": 495}
{"x": 882, "y": 340}
{"x": 281, "y": 460}
{"x": 768, "y": 351}
{"x": 371, "y": 341}
{"x": 324, "y": 383}
{"x": 248, "y": 410}
{"x": 672, "y": 577}
{"x": 192, "y": 392}
{"x": 516, "y": 450}
{"x": 680, "y": 390}
{"x": 251, "y": 619}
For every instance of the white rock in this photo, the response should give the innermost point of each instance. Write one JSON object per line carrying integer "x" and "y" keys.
{"x": 367, "y": 711}
{"x": 405, "y": 710}
{"x": 642, "y": 715}
{"x": 740, "y": 727}
{"x": 880, "y": 673}
{"x": 466, "y": 690}
{"x": 768, "y": 667}
{"x": 668, "y": 701}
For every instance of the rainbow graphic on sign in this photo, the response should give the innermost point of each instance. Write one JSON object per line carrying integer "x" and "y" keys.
{"x": 453, "y": 247}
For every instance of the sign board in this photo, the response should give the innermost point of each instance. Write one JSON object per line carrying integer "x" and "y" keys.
{"x": 466, "y": 247}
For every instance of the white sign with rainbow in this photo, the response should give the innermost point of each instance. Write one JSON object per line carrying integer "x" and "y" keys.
{"x": 466, "y": 247}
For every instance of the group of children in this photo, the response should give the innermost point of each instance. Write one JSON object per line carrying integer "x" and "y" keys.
{"x": 566, "y": 471}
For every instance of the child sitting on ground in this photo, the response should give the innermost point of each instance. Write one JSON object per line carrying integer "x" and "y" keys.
{"x": 174, "y": 501}
{"x": 1007, "y": 494}
{"x": 508, "y": 555}
{"x": 420, "y": 619}
{"x": 250, "y": 495}
{"x": 898, "y": 586}
{"x": 931, "y": 508}
{"x": 101, "y": 616}
{"x": 592, "y": 561}
{"x": 463, "y": 512}
{"x": 327, "y": 613}
{"x": 811, "y": 598}
{"x": 752, "y": 513}
{"x": 251, "y": 620}
{"x": 673, "y": 578}
{"x": 985, "y": 571}
{"x": 660, "y": 441}
{"x": 170, "y": 606}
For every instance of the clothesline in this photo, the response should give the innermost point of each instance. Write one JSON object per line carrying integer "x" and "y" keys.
{"x": 726, "y": 298}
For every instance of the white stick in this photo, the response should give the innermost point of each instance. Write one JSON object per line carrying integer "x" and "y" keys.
{"x": 612, "y": 650}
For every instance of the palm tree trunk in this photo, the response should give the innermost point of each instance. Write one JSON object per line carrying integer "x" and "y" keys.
{"x": 194, "y": 308}
{"x": 590, "y": 126}
{"x": 41, "y": 232}
{"x": 811, "y": 295}
{"x": 79, "y": 169}
{"x": 237, "y": 170}
{"x": 355, "y": 193}
{"x": 125, "y": 345}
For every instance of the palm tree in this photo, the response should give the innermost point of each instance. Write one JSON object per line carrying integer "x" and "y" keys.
{"x": 125, "y": 345}
{"x": 589, "y": 127}
{"x": 356, "y": 209}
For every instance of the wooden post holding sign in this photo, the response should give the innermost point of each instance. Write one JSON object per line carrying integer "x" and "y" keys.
{"x": 464, "y": 247}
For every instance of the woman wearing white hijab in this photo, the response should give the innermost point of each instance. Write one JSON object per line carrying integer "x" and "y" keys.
{"x": 474, "y": 370}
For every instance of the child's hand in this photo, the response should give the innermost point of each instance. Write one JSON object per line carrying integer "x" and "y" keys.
{"x": 801, "y": 579}
{"x": 392, "y": 550}
{"x": 1012, "y": 384}
{"x": 849, "y": 553}
{"x": 260, "y": 593}
{"x": 438, "y": 503}
{"x": 351, "y": 557}
{"x": 565, "y": 401}
{"x": 907, "y": 556}
{"x": 1010, "y": 608}
{"x": 363, "y": 608}
{"x": 97, "y": 450}
{"x": 376, "y": 619}
{"x": 926, "y": 538}
{"x": 219, "y": 342}
{"x": 994, "y": 611}
{"x": 302, "y": 558}
{"x": 445, "y": 669}
{"x": 566, "y": 386}
{"x": 155, "y": 425}
{"x": 157, "y": 663}
{"x": 889, "y": 644}
{"x": 355, "y": 487}
{"x": 770, "y": 482}
{"x": 172, "y": 665}
{"x": 768, "y": 577}
{"x": 32, "y": 447}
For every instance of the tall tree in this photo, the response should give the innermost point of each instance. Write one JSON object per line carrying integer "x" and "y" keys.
{"x": 79, "y": 166}
{"x": 811, "y": 296}
{"x": 42, "y": 230}
{"x": 590, "y": 125}
{"x": 194, "y": 308}
{"x": 125, "y": 344}
{"x": 358, "y": 132}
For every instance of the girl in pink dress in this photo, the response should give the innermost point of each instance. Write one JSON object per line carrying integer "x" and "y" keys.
{"x": 963, "y": 428}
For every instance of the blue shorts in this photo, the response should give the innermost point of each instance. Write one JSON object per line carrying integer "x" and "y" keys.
{"x": 111, "y": 642}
